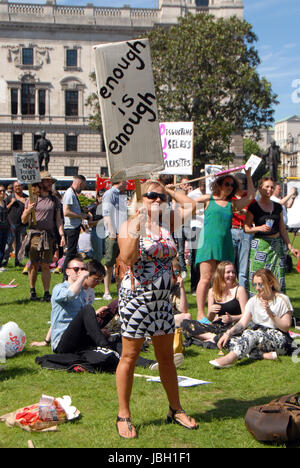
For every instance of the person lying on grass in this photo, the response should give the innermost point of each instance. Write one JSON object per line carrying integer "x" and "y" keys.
{"x": 271, "y": 313}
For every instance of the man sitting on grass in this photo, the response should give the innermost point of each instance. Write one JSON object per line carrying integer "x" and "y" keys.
{"x": 75, "y": 325}
{"x": 73, "y": 297}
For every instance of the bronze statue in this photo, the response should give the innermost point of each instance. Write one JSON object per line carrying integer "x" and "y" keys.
{"x": 272, "y": 160}
{"x": 44, "y": 147}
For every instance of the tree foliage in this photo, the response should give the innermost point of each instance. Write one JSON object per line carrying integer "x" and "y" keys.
{"x": 93, "y": 103}
{"x": 205, "y": 72}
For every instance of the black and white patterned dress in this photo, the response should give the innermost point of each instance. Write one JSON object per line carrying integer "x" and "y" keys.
{"x": 145, "y": 310}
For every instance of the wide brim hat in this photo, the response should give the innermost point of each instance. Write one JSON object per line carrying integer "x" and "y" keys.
{"x": 47, "y": 176}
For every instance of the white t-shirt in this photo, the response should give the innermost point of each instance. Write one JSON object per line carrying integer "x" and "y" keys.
{"x": 84, "y": 242}
{"x": 279, "y": 306}
{"x": 90, "y": 296}
{"x": 71, "y": 200}
{"x": 198, "y": 219}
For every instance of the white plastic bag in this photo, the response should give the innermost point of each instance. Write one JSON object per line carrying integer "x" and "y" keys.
{"x": 12, "y": 338}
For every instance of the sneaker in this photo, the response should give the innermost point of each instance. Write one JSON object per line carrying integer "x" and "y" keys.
{"x": 107, "y": 297}
{"x": 33, "y": 296}
{"x": 47, "y": 297}
{"x": 178, "y": 360}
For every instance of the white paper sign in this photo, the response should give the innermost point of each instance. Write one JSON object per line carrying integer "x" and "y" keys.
{"x": 210, "y": 171}
{"x": 177, "y": 145}
{"x": 128, "y": 109}
{"x": 182, "y": 381}
{"x": 253, "y": 162}
{"x": 27, "y": 168}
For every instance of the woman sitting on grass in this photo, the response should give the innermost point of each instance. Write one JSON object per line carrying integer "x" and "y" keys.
{"x": 226, "y": 304}
{"x": 271, "y": 313}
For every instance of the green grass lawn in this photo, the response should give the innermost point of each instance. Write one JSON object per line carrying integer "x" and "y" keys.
{"x": 219, "y": 407}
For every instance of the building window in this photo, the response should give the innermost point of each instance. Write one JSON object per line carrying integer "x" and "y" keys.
{"x": 27, "y": 56}
{"x": 71, "y": 171}
{"x": 42, "y": 102}
{"x": 13, "y": 171}
{"x": 17, "y": 143}
{"x": 71, "y": 142}
{"x": 28, "y": 99}
{"x": 71, "y": 58}
{"x": 202, "y": 2}
{"x": 71, "y": 103}
{"x": 14, "y": 101}
{"x": 104, "y": 171}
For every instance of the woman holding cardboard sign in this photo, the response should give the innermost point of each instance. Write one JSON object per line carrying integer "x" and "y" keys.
{"x": 147, "y": 248}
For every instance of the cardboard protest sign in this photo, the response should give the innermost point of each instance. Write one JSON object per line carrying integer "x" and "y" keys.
{"x": 128, "y": 109}
{"x": 177, "y": 146}
{"x": 27, "y": 168}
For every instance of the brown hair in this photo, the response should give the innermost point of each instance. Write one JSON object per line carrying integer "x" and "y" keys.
{"x": 215, "y": 186}
{"x": 265, "y": 179}
{"x": 219, "y": 284}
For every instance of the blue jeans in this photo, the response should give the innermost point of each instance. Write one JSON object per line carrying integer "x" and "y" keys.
{"x": 241, "y": 245}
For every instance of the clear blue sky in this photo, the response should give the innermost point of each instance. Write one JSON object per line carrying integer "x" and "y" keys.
{"x": 276, "y": 24}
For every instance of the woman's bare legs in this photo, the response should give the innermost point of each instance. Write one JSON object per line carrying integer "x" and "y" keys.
{"x": 124, "y": 380}
{"x": 163, "y": 347}
{"x": 207, "y": 270}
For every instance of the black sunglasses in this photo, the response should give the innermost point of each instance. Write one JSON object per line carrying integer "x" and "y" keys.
{"x": 228, "y": 184}
{"x": 76, "y": 269}
{"x": 155, "y": 195}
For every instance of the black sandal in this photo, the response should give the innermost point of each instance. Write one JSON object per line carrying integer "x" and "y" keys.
{"x": 172, "y": 418}
{"x": 129, "y": 425}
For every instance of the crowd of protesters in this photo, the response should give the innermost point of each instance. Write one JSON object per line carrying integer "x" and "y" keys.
{"x": 231, "y": 237}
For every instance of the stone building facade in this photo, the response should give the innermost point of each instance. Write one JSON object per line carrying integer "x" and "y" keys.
{"x": 46, "y": 59}
{"x": 287, "y": 136}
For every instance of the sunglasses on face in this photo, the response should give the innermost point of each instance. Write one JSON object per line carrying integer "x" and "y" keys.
{"x": 155, "y": 195}
{"x": 258, "y": 285}
{"x": 176, "y": 272}
{"x": 77, "y": 269}
{"x": 2, "y": 190}
{"x": 228, "y": 184}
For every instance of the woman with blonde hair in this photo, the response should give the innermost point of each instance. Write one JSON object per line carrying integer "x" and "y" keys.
{"x": 147, "y": 249}
{"x": 270, "y": 311}
{"x": 226, "y": 304}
